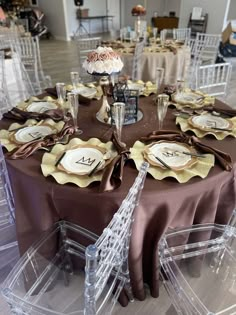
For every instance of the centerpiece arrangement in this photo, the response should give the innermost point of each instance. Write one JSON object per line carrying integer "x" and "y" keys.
{"x": 138, "y": 11}
{"x": 103, "y": 62}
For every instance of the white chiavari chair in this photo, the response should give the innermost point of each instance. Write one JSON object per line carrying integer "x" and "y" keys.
{"x": 182, "y": 34}
{"x": 45, "y": 280}
{"x": 214, "y": 79}
{"x": 4, "y": 96}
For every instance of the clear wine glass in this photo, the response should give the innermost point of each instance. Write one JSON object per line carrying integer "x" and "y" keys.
{"x": 162, "y": 101}
{"x": 74, "y": 79}
{"x": 73, "y": 104}
{"x": 118, "y": 114}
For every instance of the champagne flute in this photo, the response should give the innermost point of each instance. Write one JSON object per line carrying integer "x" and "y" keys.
{"x": 73, "y": 103}
{"x": 118, "y": 116}
{"x": 154, "y": 32}
{"x": 61, "y": 93}
{"x": 180, "y": 87}
{"x": 162, "y": 105}
{"x": 74, "y": 79}
{"x": 159, "y": 79}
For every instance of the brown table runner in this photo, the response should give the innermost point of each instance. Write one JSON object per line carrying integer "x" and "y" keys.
{"x": 41, "y": 201}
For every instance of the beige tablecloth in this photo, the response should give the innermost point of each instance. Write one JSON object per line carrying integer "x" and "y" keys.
{"x": 176, "y": 65}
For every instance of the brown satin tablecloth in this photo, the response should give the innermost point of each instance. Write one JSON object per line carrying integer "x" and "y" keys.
{"x": 176, "y": 65}
{"x": 41, "y": 201}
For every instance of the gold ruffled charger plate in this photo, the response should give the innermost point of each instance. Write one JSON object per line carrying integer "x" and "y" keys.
{"x": 31, "y": 130}
{"x": 207, "y": 124}
{"x": 179, "y": 157}
{"x": 88, "y": 90}
{"x": 144, "y": 88}
{"x": 37, "y": 105}
{"x": 79, "y": 162}
{"x": 192, "y": 99}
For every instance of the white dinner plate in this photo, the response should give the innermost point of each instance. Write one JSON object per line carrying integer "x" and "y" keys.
{"x": 82, "y": 161}
{"x": 170, "y": 153}
{"x": 85, "y": 91}
{"x": 209, "y": 122}
{"x": 40, "y": 107}
{"x": 31, "y": 133}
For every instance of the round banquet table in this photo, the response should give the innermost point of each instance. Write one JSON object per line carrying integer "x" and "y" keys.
{"x": 42, "y": 201}
{"x": 176, "y": 65}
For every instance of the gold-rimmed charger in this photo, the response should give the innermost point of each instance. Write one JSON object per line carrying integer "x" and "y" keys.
{"x": 8, "y": 136}
{"x": 201, "y": 168}
{"x": 176, "y": 155}
{"x": 88, "y": 90}
{"x": 37, "y": 105}
{"x": 192, "y": 99}
{"x": 218, "y": 134}
{"x": 208, "y": 122}
{"x": 49, "y": 165}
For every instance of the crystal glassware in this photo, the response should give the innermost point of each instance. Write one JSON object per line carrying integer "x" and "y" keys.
{"x": 154, "y": 32}
{"x": 74, "y": 79}
{"x": 159, "y": 79}
{"x": 118, "y": 115}
{"x": 162, "y": 105}
{"x": 61, "y": 93}
{"x": 180, "y": 86}
{"x": 73, "y": 104}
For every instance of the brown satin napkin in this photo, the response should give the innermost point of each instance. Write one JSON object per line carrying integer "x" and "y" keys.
{"x": 18, "y": 114}
{"x": 7, "y": 53}
{"x": 53, "y": 92}
{"x": 172, "y": 49}
{"x": 29, "y": 148}
{"x": 227, "y": 112}
{"x": 113, "y": 173}
{"x": 223, "y": 158}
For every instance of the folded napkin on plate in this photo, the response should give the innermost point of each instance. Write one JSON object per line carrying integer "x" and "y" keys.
{"x": 227, "y": 112}
{"x": 171, "y": 48}
{"x": 223, "y": 158}
{"x": 18, "y": 114}
{"x": 82, "y": 99}
{"x": 113, "y": 173}
{"x": 29, "y": 148}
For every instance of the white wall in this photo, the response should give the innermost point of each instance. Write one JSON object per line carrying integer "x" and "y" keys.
{"x": 173, "y": 5}
{"x": 96, "y": 7}
{"x": 232, "y": 10}
{"x": 216, "y": 13}
{"x": 55, "y": 18}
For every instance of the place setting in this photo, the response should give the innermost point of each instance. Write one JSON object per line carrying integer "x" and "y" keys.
{"x": 207, "y": 123}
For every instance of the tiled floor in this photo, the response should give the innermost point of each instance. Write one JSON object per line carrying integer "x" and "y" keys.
{"x": 59, "y": 58}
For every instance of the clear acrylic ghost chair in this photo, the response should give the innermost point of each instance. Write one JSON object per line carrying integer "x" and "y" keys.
{"x": 198, "y": 268}
{"x": 182, "y": 34}
{"x": 214, "y": 79}
{"x": 49, "y": 278}
{"x": 5, "y": 98}
{"x": 84, "y": 46}
{"x": 18, "y": 83}
{"x": 29, "y": 52}
{"x": 8, "y": 243}
{"x": 136, "y": 73}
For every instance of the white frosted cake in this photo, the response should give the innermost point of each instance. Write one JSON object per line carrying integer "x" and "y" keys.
{"x": 103, "y": 60}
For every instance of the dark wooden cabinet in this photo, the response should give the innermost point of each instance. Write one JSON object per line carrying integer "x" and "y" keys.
{"x": 165, "y": 22}
{"x": 198, "y": 26}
